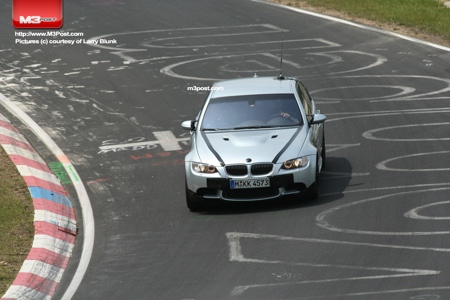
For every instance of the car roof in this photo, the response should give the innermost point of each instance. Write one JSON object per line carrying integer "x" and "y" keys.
{"x": 254, "y": 86}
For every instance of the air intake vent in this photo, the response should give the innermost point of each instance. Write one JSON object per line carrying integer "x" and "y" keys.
{"x": 261, "y": 169}
{"x": 236, "y": 170}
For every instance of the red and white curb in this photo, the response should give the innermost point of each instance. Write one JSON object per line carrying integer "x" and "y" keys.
{"x": 54, "y": 220}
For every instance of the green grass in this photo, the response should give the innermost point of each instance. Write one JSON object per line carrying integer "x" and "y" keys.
{"x": 16, "y": 221}
{"x": 423, "y": 16}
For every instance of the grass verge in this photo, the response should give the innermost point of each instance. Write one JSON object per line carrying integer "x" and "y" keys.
{"x": 16, "y": 221}
{"x": 428, "y": 20}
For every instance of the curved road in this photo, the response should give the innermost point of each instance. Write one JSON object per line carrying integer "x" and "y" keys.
{"x": 380, "y": 228}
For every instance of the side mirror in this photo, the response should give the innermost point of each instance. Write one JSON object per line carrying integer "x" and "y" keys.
{"x": 189, "y": 125}
{"x": 318, "y": 119}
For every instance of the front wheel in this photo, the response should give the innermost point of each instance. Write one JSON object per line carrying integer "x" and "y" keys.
{"x": 312, "y": 193}
{"x": 193, "y": 205}
{"x": 323, "y": 153}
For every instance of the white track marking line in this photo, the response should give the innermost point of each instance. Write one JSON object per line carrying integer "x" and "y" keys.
{"x": 237, "y": 255}
{"x": 86, "y": 208}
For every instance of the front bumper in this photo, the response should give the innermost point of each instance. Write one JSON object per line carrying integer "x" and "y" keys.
{"x": 279, "y": 186}
{"x": 204, "y": 188}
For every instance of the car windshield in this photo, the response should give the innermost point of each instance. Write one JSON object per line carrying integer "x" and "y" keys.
{"x": 252, "y": 111}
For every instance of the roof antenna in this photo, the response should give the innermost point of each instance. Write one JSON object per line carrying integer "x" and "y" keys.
{"x": 281, "y": 77}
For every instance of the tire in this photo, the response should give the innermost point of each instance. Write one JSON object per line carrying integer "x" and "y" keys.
{"x": 312, "y": 193}
{"x": 192, "y": 204}
{"x": 323, "y": 153}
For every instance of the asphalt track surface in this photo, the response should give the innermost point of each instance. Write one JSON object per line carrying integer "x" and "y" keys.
{"x": 380, "y": 229}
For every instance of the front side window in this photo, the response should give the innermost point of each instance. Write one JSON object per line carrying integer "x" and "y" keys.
{"x": 305, "y": 99}
{"x": 252, "y": 111}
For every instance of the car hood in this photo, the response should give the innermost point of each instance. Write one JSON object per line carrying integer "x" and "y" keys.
{"x": 235, "y": 147}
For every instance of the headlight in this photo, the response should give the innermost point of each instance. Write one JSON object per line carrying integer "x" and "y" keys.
{"x": 203, "y": 168}
{"x": 295, "y": 163}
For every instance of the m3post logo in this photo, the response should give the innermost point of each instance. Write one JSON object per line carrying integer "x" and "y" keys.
{"x": 30, "y": 14}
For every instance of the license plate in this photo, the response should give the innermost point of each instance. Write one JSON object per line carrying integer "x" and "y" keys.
{"x": 249, "y": 183}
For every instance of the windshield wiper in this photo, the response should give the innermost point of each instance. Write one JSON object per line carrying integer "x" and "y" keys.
{"x": 252, "y": 127}
{"x": 211, "y": 129}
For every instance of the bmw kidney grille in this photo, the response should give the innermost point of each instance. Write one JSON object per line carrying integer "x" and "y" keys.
{"x": 242, "y": 170}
